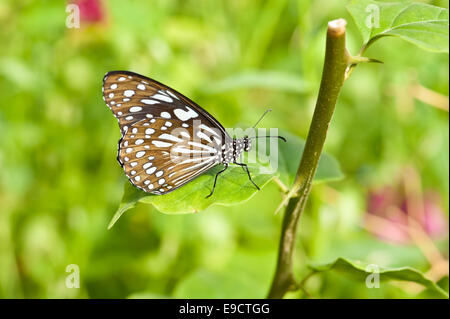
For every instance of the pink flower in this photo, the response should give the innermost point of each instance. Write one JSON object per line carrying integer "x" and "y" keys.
{"x": 90, "y": 10}
{"x": 391, "y": 214}
{"x": 435, "y": 223}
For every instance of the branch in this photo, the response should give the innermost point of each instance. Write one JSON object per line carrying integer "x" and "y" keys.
{"x": 336, "y": 62}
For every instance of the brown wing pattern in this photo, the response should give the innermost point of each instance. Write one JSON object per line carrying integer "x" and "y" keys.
{"x": 131, "y": 96}
{"x": 167, "y": 140}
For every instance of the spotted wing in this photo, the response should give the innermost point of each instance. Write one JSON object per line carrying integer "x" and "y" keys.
{"x": 167, "y": 140}
{"x": 133, "y": 97}
{"x": 158, "y": 159}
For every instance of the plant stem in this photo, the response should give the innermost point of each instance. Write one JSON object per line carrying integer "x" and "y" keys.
{"x": 336, "y": 62}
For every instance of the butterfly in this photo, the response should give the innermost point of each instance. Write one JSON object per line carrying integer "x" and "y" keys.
{"x": 167, "y": 139}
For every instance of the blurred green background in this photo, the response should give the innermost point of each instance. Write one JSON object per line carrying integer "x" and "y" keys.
{"x": 60, "y": 183}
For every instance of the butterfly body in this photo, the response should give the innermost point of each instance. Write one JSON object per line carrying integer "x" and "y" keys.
{"x": 167, "y": 139}
{"x": 232, "y": 150}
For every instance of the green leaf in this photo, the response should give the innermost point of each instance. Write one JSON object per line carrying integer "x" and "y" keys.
{"x": 359, "y": 271}
{"x": 247, "y": 274}
{"x": 205, "y": 284}
{"x": 289, "y": 157}
{"x": 421, "y": 24}
{"x": 233, "y": 186}
{"x": 443, "y": 283}
{"x": 272, "y": 80}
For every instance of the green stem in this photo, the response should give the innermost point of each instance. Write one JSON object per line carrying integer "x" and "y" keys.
{"x": 336, "y": 62}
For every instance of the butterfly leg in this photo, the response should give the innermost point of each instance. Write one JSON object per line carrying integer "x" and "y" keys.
{"x": 118, "y": 151}
{"x": 248, "y": 173}
{"x": 215, "y": 179}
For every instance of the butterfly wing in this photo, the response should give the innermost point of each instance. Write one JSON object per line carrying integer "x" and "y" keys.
{"x": 123, "y": 90}
{"x": 167, "y": 139}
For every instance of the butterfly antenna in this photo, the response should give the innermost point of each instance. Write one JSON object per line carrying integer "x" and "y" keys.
{"x": 280, "y": 137}
{"x": 267, "y": 111}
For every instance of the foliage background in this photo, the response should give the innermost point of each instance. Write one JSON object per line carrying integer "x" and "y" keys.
{"x": 60, "y": 183}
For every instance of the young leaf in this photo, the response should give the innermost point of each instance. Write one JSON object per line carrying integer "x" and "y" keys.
{"x": 233, "y": 186}
{"x": 421, "y": 24}
{"x": 360, "y": 271}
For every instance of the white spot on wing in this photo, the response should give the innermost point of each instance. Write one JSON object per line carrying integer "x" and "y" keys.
{"x": 202, "y": 135}
{"x": 165, "y": 115}
{"x": 129, "y": 93}
{"x": 162, "y": 98}
{"x": 209, "y": 148}
{"x": 207, "y": 128}
{"x": 193, "y": 167}
{"x": 185, "y": 134}
{"x": 135, "y": 109}
{"x": 146, "y": 165}
{"x": 149, "y": 102}
{"x": 172, "y": 95}
{"x": 183, "y": 150}
{"x": 170, "y": 137}
{"x": 161, "y": 144}
{"x": 185, "y": 115}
